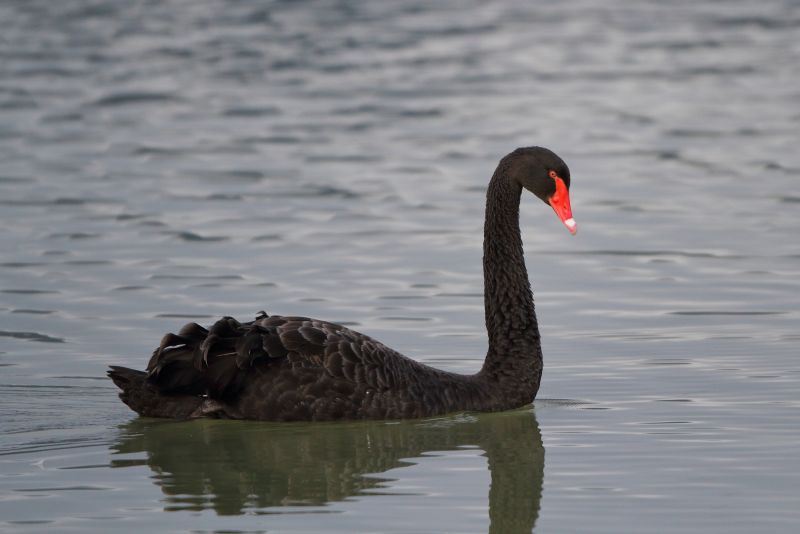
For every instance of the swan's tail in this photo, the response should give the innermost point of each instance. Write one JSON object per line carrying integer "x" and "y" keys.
{"x": 194, "y": 372}
{"x": 146, "y": 400}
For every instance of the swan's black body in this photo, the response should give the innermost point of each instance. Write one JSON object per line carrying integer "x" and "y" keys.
{"x": 294, "y": 368}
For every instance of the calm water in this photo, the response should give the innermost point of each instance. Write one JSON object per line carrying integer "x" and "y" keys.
{"x": 165, "y": 162}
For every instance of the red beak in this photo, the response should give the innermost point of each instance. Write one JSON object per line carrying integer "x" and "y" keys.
{"x": 560, "y": 203}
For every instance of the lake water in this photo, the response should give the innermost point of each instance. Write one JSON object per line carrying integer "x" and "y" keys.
{"x": 171, "y": 161}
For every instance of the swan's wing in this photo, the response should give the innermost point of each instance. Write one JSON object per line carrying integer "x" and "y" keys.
{"x": 217, "y": 361}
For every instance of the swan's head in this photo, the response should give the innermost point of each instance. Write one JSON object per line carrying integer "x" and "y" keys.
{"x": 545, "y": 175}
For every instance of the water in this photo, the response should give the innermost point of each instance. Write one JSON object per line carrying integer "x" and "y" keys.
{"x": 166, "y": 162}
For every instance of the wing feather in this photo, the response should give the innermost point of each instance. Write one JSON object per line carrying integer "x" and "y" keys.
{"x": 219, "y": 361}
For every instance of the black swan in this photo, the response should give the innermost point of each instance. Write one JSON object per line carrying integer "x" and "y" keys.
{"x": 280, "y": 368}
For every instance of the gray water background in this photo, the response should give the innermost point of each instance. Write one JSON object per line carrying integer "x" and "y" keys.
{"x": 172, "y": 161}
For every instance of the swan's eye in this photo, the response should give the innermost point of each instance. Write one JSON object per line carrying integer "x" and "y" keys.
{"x": 552, "y": 174}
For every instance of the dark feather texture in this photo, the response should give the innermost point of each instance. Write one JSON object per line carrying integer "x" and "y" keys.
{"x": 296, "y": 368}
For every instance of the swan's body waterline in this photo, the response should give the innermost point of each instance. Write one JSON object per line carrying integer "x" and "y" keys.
{"x": 296, "y": 368}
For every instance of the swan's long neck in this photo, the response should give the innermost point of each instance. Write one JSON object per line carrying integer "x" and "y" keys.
{"x": 514, "y": 360}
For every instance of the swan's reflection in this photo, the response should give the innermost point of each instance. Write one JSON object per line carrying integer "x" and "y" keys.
{"x": 236, "y": 467}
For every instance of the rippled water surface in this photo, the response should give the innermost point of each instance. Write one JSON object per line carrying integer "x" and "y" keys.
{"x": 172, "y": 161}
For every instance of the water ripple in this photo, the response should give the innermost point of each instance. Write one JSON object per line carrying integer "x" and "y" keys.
{"x": 192, "y": 236}
{"x": 30, "y": 291}
{"x": 134, "y": 97}
{"x": 31, "y": 336}
{"x": 726, "y": 312}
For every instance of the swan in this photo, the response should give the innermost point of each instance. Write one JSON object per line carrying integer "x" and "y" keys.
{"x": 285, "y": 368}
